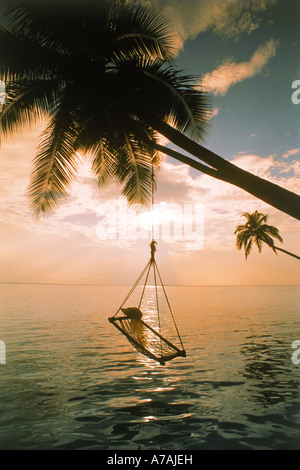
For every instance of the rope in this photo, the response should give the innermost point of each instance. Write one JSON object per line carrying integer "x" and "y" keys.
{"x": 152, "y": 263}
{"x": 152, "y": 202}
{"x": 132, "y": 289}
{"x": 162, "y": 284}
{"x": 145, "y": 283}
{"x": 152, "y": 245}
{"x": 157, "y": 304}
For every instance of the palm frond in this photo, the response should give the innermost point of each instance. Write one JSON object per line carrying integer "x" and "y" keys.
{"x": 273, "y": 231}
{"x": 138, "y": 172}
{"x": 55, "y": 163}
{"x": 247, "y": 215}
{"x": 248, "y": 247}
{"x": 156, "y": 92}
{"x": 143, "y": 32}
{"x": 184, "y": 105}
{"x": 262, "y": 218}
{"x": 27, "y": 101}
{"x": 258, "y": 242}
{"x": 24, "y": 58}
{"x": 103, "y": 163}
{"x": 241, "y": 239}
{"x": 240, "y": 228}
{"x": 122, "y": 27}
{"x": 46, "y": 22}
{"x": 239, "y": 243}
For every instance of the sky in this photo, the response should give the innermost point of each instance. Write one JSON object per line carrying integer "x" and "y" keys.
{"x": 246, "y": 55}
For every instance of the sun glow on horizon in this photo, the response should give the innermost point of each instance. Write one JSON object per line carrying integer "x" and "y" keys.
{"x": 95, "y": 237}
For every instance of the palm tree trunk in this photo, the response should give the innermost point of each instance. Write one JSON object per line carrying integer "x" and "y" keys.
{"x": 278, "y": 197}
{"x": 188, "y": 161}
{"x": 286, "y": 252}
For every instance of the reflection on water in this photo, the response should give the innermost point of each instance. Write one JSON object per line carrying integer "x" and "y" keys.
{"x": 73, "y": 382}
{"x": 267, "y": 366}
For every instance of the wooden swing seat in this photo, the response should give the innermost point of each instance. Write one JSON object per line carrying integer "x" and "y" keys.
{"x": 146, "y": 339}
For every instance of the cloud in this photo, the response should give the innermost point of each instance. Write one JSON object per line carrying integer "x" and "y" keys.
{"x": 291, "y": 153}
{"x": 66, "y": 247}
{"x": 230, "y": 72}
{"x": 233, "y": 17}
{"x": 227, "y": 18}
{"x": 211, "y": 114}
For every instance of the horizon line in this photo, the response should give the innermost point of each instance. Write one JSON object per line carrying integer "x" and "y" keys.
{"x": 128, "y": 285}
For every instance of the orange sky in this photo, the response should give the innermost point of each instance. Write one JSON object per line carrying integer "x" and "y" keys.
{"x": 244, "y": 53}
{"x": 67, "y": 247}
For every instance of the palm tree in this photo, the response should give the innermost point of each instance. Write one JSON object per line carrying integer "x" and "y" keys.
{"x": 257, "y": 231}
{"x": 101, "y": 73}
{"x": 62, "y": 64}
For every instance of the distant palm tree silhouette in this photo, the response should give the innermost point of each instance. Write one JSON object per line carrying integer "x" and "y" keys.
{"x": 257, "y": 231}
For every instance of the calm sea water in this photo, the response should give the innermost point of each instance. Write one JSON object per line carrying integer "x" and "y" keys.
{"x": 72, "y": 381}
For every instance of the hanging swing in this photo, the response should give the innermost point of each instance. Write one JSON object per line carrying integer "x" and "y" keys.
{"x": 128, "y": 320}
